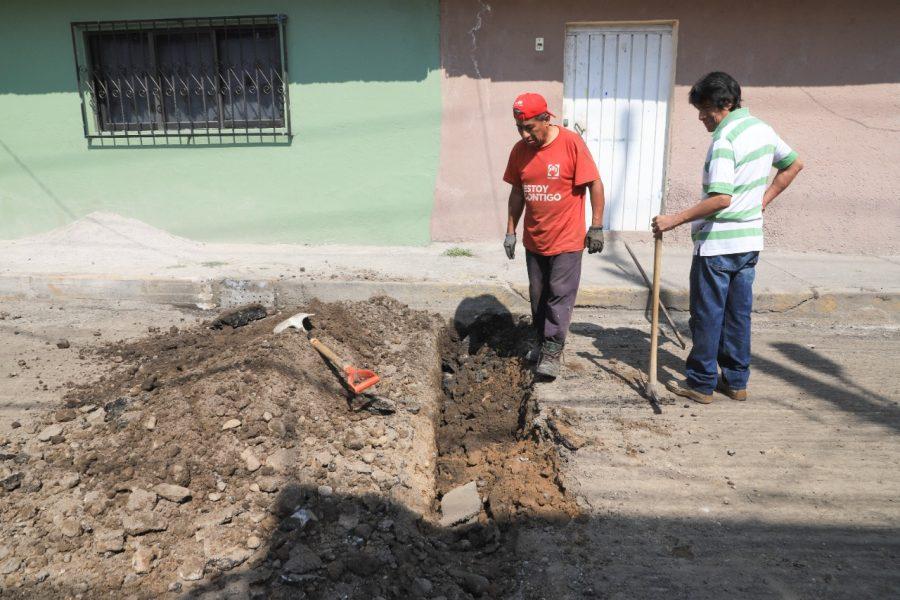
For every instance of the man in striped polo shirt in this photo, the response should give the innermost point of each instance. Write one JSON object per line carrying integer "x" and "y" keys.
{"x": 727, "y": 230}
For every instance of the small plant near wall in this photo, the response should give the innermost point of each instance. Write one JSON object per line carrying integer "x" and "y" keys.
{"x": 457, "y": 251}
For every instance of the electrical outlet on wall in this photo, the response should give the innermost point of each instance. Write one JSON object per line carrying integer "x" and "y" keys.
{"x": 539, "y": 44}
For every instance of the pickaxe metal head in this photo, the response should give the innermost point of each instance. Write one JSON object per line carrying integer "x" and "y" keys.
{"x": 300, "y": 321}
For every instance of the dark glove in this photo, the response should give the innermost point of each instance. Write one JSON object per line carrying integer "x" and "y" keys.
{"x": 509, "y": 244}
{"x": 593, "y": 241}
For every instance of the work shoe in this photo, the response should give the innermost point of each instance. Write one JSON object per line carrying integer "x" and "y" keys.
{"x": 732, "y": 393}
{"x": 551, "y": 355}
{"x": 533, "y": 355}
{"x": 681, "y": 388}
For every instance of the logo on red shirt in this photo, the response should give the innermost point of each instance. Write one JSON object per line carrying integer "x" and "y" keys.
{"x": 553, "y": 171}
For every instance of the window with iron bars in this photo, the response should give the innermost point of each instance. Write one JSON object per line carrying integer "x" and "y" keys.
{"x": 221, "y": 77}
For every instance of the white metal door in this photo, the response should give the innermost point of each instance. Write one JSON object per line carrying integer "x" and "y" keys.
{"x": 618, "y": 82}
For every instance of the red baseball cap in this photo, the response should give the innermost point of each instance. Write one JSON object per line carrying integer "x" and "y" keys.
{"x": 529, "y": 105}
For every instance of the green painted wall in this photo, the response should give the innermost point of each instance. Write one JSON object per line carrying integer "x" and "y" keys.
{"x": 365, "y": 106}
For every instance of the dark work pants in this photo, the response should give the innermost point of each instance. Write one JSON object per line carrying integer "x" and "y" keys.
{"x": 721, "y": 301}
{"x": 552, "y": 286}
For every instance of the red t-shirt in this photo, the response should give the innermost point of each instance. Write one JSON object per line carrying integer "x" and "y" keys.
{"x": 553, "y": 179}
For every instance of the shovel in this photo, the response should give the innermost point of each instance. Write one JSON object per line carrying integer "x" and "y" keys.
{"x": 357, "y": 380}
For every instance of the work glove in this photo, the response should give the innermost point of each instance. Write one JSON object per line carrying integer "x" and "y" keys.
{"x": 509, "y": 244}
{"x": 593, "y": 241}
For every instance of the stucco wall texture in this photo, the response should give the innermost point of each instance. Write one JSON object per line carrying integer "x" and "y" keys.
{"x": 824, "y": 74}
{"x": 365, "y": 106}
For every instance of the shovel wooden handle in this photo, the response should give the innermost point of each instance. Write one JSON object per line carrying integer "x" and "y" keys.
{"x": 654, "y": 310}
{"x": 327, "y": 353}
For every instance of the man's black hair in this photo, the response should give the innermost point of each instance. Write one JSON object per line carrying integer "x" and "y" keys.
{"x": 716, "y": 89}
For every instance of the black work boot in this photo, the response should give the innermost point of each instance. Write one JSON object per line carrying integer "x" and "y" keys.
{"x": 551, "y": 355}
{"x": 534, "y": 350}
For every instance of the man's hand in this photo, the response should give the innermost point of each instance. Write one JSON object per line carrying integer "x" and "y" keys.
{"x": 593, "y": 241}
{"x": 662, "y": 223}
{"x": 509, "y": 244}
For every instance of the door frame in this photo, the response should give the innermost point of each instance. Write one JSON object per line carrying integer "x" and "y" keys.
{"x": 630, "y": 27}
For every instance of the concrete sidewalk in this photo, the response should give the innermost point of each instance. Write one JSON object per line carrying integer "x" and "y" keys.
{"x": 105, "y": 256}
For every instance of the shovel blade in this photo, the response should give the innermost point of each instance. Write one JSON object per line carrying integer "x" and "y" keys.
{"x": 360, "y": 379}
{"x": 300, "y": 321}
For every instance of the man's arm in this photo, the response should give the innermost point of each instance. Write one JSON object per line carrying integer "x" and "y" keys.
{"x": 704, "y": 208}
{"x": 598, "y": 202}
{"x": 516, "y": 206}
{"x": 782, "y": 180}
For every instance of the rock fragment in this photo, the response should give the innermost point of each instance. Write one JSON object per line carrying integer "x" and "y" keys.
{"x": 364, "y": 563}
{"x": 192, "y": 569}
{"x": 282, "y": 461}
{"x": 50, "y": 431}
{"x": 143, "y": 522}
{"x": 423, "y": 586}
{"x": 302, "y": 560}
{"x": 64, "y": 415}
{"x": 173, "y": 493}
{"x": 140, "y": 500}
{"x": 62, "y": 343}
{"x": 70, "y": 528}
{"x": 473, "y": 583}
{"x": 225, "y": 548}
{"x": 11, "y": 482}
{"x": 69, "y": 480}
{"x": 239, "y": 317}
{"x": 142, "y": 560}
{"x": 150, "y": 383}
{"x": 252, "y": 463}
{"x": 268, "y": 484}
{"x": 10, "y": 565}
{"x": 231, "y": 424}
{"x": 355, "y": 439}
{"x": 109, "y": 540}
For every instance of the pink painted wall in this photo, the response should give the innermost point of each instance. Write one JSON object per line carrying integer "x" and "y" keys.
{"x": 824, "y": 74}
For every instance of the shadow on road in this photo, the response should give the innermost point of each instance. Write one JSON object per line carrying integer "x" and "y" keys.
{"x": 626, "y": 347}
{"x": 326, "y": 546}
{"x": 844, "y": 393}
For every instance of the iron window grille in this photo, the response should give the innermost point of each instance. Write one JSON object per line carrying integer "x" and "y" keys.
{"x": 180, "y": 79}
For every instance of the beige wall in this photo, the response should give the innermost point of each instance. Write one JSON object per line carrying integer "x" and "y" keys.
{"x": 827, "y": 77}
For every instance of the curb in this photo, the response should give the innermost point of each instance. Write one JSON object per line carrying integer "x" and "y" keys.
{"x": 459, "y": 299}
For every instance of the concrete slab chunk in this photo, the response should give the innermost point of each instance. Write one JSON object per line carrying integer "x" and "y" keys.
{"x": 460, "y": 504}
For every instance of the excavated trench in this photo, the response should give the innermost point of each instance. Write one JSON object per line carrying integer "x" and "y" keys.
{"x": 486, "y": 431}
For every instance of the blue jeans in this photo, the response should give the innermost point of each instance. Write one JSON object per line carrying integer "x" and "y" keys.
{"x": 721, "y": 300}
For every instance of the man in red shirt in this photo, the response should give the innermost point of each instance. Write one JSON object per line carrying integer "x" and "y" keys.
{"x": 550, "y": 170}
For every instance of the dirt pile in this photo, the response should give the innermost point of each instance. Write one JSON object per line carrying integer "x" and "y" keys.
{"x": 231, "y": 463}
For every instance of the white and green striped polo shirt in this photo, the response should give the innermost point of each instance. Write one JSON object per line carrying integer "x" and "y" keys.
{"x": 738, "y": 163}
